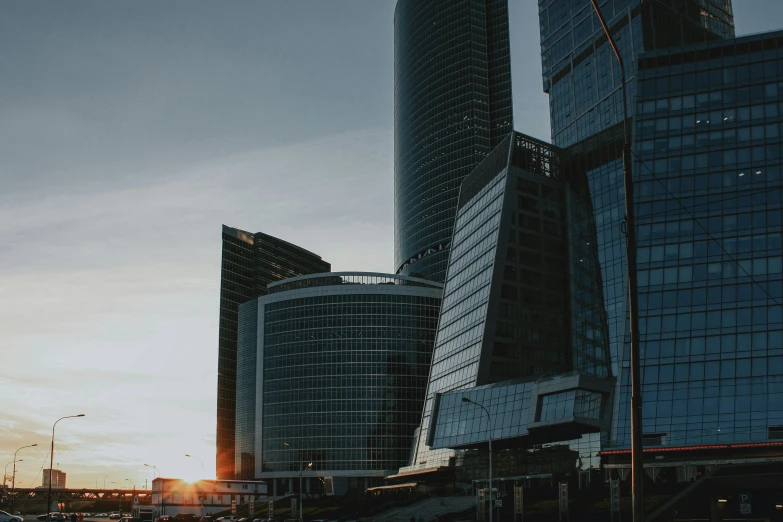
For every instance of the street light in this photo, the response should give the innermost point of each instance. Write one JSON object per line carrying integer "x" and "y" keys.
{"x": 51, "y": 464}
{"x": 198, "y": 459}
{"x": 301, "y": 470}
{"x": 637, "y": 470}
{"x": 13, "y": 477}
{"x": 5, "y": 473}
{"x": 489, "y": 418}
{"x": 162, "y": 485}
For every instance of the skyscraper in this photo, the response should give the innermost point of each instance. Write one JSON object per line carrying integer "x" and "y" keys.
{"x": 709, "y": 201}
{"x": 452, "y": 106}
{"x": 522, "y": 304}
{"x": 582, "y": 78}
{"x": 249, "y": 263}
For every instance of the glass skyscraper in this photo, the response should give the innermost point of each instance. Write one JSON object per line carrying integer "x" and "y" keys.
{"x": 249, "y": 262}
{"x": 336, "y": 368}
{"x": 708, "y": 129}
{"x": 452, "y": 107}
{"x": 522, "y": 308}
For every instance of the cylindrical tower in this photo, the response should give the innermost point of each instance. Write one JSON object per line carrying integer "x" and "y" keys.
{"x": 342, "y": 360}
{"x": 452, "y": 106}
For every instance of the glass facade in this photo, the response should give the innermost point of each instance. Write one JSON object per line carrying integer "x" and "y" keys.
{"x": 579, "y": 69}
{"x": 342, "y": 370}
{"x": 522, "y": 296}
{"x": 518, "y": 408}
{"x": 249, "y": 263}
{"x": 245, "y": 465}
{"x": 708, "y": 193}
{"x": 452, "y": 107}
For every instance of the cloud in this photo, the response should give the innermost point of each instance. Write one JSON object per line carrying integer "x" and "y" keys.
{"x": 109, "y": 300}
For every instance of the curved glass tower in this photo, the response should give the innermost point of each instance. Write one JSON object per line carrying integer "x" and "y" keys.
{"x": 452, "y": 106}
{"x": 338, "y": 365}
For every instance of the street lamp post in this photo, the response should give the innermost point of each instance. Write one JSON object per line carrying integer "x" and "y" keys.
{"x": 637, "y": 471}
{"x": 5, "y": 473}
{"x": 301, "y": 470}
{"x": 13, "y": 477}
{"x": 489, "y": 418}
{"x": 198, "y": 459}
{"x": 155, "y": 468}
{"x": 51, "y": 464}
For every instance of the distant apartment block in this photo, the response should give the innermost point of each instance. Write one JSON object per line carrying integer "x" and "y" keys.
{"x": 58, "y": 478}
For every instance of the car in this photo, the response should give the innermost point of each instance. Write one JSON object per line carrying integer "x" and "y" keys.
{"x": 126, "y": 519}
{"x": 115, "y": 516}
{"x": 8, "y": 517}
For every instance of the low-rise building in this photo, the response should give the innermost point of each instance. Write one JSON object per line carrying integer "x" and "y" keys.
{"x": 171, "y": 496}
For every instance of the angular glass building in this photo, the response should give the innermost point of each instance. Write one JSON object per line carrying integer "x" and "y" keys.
{"x": 522, "y": 328}
{"x": 334, "y": 368}
{"x": 452, "y": 107}
{"x": 249, "y": 263}
{"x": 708, "y": 192}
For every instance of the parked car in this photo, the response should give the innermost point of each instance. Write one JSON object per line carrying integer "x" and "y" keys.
{"x": 164, "y": 518}
{"x": 115, "y": 516}
{"x": 8, "y": 517}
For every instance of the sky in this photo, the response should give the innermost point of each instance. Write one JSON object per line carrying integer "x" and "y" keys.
{"x": 129, "y": 132}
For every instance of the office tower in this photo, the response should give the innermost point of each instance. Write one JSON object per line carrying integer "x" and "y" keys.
{"x": 58, "y": 478}
{"x": 340, "y": 364}
{"x": 249, "y": 263}
{"x": 708, "y": 195}
{"x": 522, "y": 328}
{"x": 582, "y": 78}
{"x": 580, "y": 73}
{"x": 452, "y": 107}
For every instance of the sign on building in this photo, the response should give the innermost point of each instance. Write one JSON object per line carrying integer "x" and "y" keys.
{"x": 251, "y": 508}
{"x": 744, "y": 504}
{"x": 614, "y": 493}
{"x": 271, "y": 508}
{"x": 480, "y": 506}
{"x": 563, "y": 500}
{"x": 234, "y": 506}
{"x": 518, "y": 500}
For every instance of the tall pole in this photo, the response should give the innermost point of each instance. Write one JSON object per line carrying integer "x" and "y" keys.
{"x": 5, "y": 474}
{"x": 489, "y": 439}
{"x": 13, "y": 477}
{"x": 301, "y": 491}
{"x": 637, "y": 471}
{"x": 51, "y": 464}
